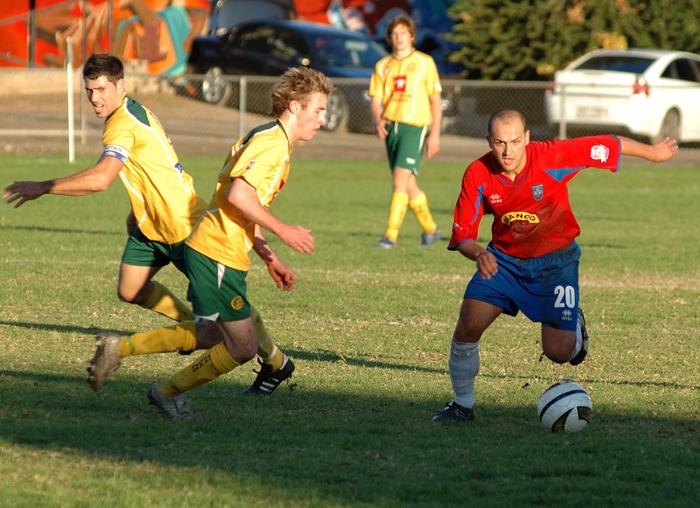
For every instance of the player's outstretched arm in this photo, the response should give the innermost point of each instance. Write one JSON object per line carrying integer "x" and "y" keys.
{"x": 95, "y": 179}
{"x": 658, "y": 152}
{"x": 283, "y": 276}
{"x": 243, "y": 196}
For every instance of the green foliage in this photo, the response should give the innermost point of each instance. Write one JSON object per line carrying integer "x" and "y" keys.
{"x": 369, "y": 331}
{"x": 667, "y": 24}
{"x": 515, "y": 40}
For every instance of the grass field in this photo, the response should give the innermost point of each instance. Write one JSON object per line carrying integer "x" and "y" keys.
{"x": 369, "y": 330}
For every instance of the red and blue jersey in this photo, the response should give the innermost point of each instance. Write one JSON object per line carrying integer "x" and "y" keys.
{"x": 531, "y": 214}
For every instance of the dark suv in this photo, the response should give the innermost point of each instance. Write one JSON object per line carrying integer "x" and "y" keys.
{"x": 268, "y": 48}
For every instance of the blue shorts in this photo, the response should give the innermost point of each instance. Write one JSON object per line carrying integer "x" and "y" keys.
{"x": 545, "y": 289}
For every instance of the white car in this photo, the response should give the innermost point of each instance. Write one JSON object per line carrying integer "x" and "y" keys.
{"x": 645, "y": 92}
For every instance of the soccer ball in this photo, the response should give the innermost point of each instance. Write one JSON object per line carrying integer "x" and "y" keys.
{"x": 565, "y": 407}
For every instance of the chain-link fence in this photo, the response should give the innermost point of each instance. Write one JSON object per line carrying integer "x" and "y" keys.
{"x": 245, "y": 102}
{"x": 466, "y": 104}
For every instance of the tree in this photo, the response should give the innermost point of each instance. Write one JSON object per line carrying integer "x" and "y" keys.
{"x": 529, "y": 40}
{"x": 669, "y": 24}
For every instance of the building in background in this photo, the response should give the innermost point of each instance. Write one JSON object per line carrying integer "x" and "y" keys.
{"x": 159, "y": 33}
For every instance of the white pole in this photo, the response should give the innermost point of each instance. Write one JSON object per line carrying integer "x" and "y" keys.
{"x": 69, "y": 80}
{"x": 242, "y": 105}
{"x": 562, "y": 112}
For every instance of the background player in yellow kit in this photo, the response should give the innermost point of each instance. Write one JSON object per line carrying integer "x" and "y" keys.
{"x": 217, "y": 252}
{"x": 406, "y": 100}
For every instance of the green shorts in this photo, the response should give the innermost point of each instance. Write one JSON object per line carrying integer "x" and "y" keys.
{"x": 140, "y": 251}
{"x": 216, "y": 291}
{"x": 404, "y": 145}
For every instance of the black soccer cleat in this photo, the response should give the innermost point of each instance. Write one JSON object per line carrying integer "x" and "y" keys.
{"x": 584, "y": 343}
{"x": 267, "y": 381}
{"x": 453, "y": 412}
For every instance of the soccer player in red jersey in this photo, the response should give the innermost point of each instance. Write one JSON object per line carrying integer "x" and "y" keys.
{"x": 531, "y": 263}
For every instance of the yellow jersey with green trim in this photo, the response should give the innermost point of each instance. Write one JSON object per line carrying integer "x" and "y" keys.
{"x": 404, "y": 85}
{"x": 262, "y": 157}
{"x": 162, "y": 195}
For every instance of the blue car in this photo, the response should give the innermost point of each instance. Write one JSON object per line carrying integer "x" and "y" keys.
{"x": 268, "y": 48}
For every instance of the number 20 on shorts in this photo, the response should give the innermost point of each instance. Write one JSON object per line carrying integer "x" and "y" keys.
{"x": 565, "y": 297}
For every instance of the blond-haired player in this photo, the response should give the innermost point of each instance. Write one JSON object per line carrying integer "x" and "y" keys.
{"x": 407, "y": 111}
{"x": 217, "y": 252}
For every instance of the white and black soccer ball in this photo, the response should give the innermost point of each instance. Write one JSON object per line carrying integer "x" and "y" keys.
{"x": 565, "y": 407}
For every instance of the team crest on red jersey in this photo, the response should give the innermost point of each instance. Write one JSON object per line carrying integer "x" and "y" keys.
{"x": 537, "y": 192}
{"x": 399, "y": 83}
{"x": 600, "y": 153}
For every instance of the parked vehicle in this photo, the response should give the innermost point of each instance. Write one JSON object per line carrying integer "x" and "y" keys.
{"x": 229, "y": 13}
{"x": 268, "y": 48}
{"x": 645, "y": 92}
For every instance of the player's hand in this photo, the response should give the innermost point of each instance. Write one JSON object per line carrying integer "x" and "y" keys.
{"x": 298, "y": 238}
{"x": 283, "y": 276}
{"x": 486, "y": 264}
{"x": 432, "y": 145}
{"x": 381, "y": 129}
{"x": 21, "y": 192}
{"x": 665, "y": 149}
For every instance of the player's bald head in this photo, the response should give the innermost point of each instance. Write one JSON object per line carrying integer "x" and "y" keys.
{"x": 507, "y": 116}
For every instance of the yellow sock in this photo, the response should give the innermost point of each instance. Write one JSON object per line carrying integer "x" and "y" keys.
{"x": 422, "y": 210}
{"x": 397, "y": 211}
{"x": 162, "y": 301}
{"x": 267, "y": 350}
{"x": 181, "y": 337}
{"x": 209, "y": 366}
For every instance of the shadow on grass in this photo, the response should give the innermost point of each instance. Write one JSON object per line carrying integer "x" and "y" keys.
{"x": 91, "y": 330}
{"x": 324, "y": 355}
{"x": 44, "y": 229}
{"x": 333, "y": 357}
{"x": 339, "y": 447}
{"x": 344, "y": 446}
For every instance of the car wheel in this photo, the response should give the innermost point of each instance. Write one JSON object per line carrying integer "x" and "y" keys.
{"x": 670, "y": 127}
{"x": 215, "y": 88}
{"x": 336, "y": 112}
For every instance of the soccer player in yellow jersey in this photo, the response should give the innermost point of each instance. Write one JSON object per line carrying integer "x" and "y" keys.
{"x": 217, "y": 252}
{"x": 406, "y": 101}
{"x": 164, "y": 205}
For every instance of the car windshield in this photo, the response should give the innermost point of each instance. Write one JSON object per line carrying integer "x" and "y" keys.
{"x": 633, "y": 64}
{"x": 335, "y": 51}
{"x": 232, "y": 13}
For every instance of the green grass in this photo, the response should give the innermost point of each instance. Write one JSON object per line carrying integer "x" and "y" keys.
{"x": 369, "y": 330}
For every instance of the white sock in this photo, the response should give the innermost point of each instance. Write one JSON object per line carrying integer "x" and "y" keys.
{"x": 464, "y": 366}
{"x": 579, "y": 340}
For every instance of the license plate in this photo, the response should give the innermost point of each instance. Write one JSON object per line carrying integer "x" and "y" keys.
{"x": 591, "y": 112}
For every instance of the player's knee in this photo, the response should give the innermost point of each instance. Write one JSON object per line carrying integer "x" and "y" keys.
{"x": 467, "y": 332}
{"x": 127, "y": 295}
{"x": 130, "y": 293}
{"x": 558, "y": 353}
{"x": 243, "y": 352}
